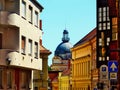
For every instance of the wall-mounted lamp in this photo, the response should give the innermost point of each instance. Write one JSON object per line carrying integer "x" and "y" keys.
{"x": 8, "y": 60}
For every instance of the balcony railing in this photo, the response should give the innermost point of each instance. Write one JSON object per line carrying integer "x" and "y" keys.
{"x": 13, "y": 58}
{"x": 8, "y": 18}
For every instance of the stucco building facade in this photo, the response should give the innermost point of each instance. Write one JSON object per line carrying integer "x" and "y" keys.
{"x": 20, "y": 34}
{"x": 84, "y": 63}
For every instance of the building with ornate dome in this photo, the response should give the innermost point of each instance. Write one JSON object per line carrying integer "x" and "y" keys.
{"x": 62, "y": 53}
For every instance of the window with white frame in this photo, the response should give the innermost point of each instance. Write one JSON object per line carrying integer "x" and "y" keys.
{"x": 108, "y": 19}
{"x": 36, "y": 50}
{"x": 23, "y": 45}
{"x": 36, "y": 18}
{"x": 104, "y": 26}
{"x": 30, "y": 14}
{"x": 100, "y": 14}
{"x": 30, "y": 47}
{"x": 108, "y": 25}
{"x": 100, "y": 42}
{"x": 108, "y": 41}
{"x": 23, "y": 8}
{"x": 100, "y": 26}
{"x": 104, "y": 13}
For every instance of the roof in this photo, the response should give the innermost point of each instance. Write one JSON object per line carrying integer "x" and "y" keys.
{"x": 37, "y": 4}
{"x": 44, "y": 50}
{"x": 55, "y": 79}
{"x": 66, "y": 72}
{"x": 88, "y": 37}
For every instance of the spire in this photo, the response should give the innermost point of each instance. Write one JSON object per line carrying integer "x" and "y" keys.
{"x": 65, "y": 36}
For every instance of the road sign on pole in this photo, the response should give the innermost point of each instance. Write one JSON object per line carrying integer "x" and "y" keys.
{"x": 104, "y": 72}
{"x": 113, "y": 75}
{"x": 113, "y": 66}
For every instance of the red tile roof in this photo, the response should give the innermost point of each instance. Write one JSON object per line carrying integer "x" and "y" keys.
{"x": 44, "y": 50}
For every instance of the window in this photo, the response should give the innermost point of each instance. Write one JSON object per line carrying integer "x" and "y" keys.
{"x": 108, "y": 58}
{"x": 9, "y": 79}
{"x": 114, "y": 36}
{"x": 23, "y": 79}
{"x": 35, "y": 88}
{"x": 36, "y": 18}
{"x": 1, "y": 76}
{"x": 108, "y": 41}
{"x": 30, "y": 47}
{"x": 104, "y": 13}
{"x": 1, "y": 5}
{"x": 100, "y": 58}
{"x": 100, "y": 14}
{"x": 108, "y": 19}
{"x": 36, "y": 50}
{"x": 0, "y": 40}
{"x": 23, "y": 45}
{"x": 104, "y": 26}
{"x": 108, "y": 25}
{"x": 100, "y": 26}
{"x": 100, "y": 42}
{"x": 30, "y": 14}
{"x": 114, "y": 29}
{"x": 23, "y": 8}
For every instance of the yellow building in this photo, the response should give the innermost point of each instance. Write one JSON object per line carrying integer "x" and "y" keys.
{"x": 64, "y": 80}
{"x": 83, "y": 62}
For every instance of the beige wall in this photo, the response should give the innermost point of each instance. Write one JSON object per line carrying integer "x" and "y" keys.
{"x": 13, "y": 26}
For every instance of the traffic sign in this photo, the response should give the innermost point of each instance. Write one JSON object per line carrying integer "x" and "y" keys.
{"x": 104, "y": 72}
{"x": 113, "y": 66}
{"x": 113, "y": 75}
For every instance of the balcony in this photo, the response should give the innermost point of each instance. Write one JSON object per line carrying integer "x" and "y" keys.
{"x": 8, "y": 18}
{"x": 16, "y": 59}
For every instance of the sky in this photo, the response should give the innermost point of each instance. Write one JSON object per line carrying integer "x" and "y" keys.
{"x": 76, "y": 16}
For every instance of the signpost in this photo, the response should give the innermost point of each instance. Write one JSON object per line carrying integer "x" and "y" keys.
{"x": 113, "y": 69}
{"x": 103, "y": 72}
{"x": 113, "y": 66}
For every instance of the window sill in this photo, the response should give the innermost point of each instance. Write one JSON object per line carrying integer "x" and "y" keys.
{"x": 36, "y": 26}
{"x": 30, "y": 54}
{"x": 30, "y": 22}
{"x": 36, "y": 57}
{"x": 23, "y": 53}
{"x": 23, "y": 17}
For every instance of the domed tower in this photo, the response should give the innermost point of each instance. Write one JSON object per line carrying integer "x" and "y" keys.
{"x": 63, "y": 49}
{"x": 62, "y": 54}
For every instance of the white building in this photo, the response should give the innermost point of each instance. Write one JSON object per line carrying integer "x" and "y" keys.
{"x": 20, "y": 33}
